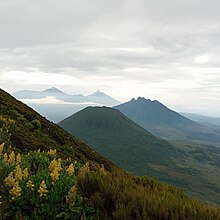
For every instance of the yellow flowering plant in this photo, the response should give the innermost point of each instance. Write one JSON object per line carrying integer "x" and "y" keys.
{"x": 71, "y": 169}
{"x": 37, "y": 184}
{"x": 52, "y": 152}
{"x": 42, "y": 186}
{"x": 7, "y": 126}
{"x": 1, "y": 148}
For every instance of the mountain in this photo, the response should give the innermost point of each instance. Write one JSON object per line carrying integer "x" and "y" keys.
{"x": 100, "y": 97}
{"x": 105, "y": 192}
{"x": 118, "y": 138}
{"x": 131, "y": 147}
{"x": 202, "y": 118}
{"x": 166, "y": 123}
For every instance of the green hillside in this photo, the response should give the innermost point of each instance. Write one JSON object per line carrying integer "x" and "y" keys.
{"x": 118, "y": 138}
{"x": 192, "y": 167}
{"x": 39, "y": 183}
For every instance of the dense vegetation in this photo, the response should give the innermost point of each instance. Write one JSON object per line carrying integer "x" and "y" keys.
{"x": 119, "y": 196}
{"x": 192, "y": 167}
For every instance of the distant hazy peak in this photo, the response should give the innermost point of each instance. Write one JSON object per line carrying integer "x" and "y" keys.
{"x": 141, "y": 98}
{"x": 102, "y": 98}
{"x": 53, "y": 89}
{"x": 98, "y": 92}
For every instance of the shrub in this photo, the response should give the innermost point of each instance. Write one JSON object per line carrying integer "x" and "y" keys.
{"x": 16, "y": 116}
{"x": 38, "y": 185}
{"x": 36, "y": 124}
{"x": 7, "y": 126}
{"x": 28, "y": 126}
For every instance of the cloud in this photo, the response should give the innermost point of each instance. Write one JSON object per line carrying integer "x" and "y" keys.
{"x": 52, "y": 100}
{"x": 47, "y": 100}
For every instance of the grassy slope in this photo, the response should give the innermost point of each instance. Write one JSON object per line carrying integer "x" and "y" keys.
{"x": 194, "y": 168}
{"x": 50, "y": 134}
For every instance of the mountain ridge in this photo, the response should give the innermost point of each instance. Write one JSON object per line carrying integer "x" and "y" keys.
{"x": 166, "y": 123}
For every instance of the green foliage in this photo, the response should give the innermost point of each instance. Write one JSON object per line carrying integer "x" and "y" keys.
{"x": 29, "y": 126}
{"x": 36, "y": 124}
{"x": 7, "y": 126}
{"x": 16, "y": 116}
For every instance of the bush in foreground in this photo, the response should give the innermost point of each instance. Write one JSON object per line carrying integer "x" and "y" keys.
{"x": 38, "y": 185}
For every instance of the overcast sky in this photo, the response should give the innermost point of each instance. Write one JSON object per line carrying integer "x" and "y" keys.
{"x": 160, "y": 49}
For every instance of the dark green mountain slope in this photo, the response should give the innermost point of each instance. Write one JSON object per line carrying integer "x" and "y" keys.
{"x": 26, "y": 137}
{"x": 162, "y": 121}
{"x": 189, "y": 166}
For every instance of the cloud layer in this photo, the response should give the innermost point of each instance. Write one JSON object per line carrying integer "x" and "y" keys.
{"x": 167, "y": 50}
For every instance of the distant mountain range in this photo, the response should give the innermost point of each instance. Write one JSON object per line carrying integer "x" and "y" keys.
{"x": 202, "y": 118}
{"x": 133, "y": 148}
{"x": 63, "y": 104}
{"x": 166, "y": 123}
{"x": 97, "y": 97}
